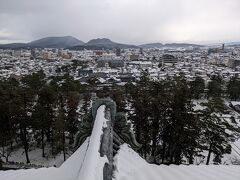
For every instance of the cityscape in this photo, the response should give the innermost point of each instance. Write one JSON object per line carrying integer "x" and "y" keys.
{"x": 116, "y": 65}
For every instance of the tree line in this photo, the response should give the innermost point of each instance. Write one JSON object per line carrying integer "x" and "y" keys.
{"x": 165, "y": 122}
{"x": 40, "y": 111}
{"x": 36, "y": 111}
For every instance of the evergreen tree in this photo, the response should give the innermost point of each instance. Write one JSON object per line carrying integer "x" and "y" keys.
{"x": 183, "y": 130}
{"x": 140, "y": 118}
{"x": 60, "y": 128}
{"x": 197, "y": 87}
{"x": 43, "y": 114}
{"x": 72, "y": 115}
{"x": 233, "y": 88}
{"x": 215, "y": 87}
{"x": 216, "y": 131}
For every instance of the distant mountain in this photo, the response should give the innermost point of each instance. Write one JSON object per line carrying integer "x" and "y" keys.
{"x": 48, "y": 42}
{"x": 73, "y": 43}
{"x": 152, "y": 45}
{"x": 13, "y": 46}
{"x": 102, "y": 43}
{"x": 233, "y": 44}
{"x": 170, "y": 45}
{"x": 181, "y": 45}
{"x": 56, "y": 42}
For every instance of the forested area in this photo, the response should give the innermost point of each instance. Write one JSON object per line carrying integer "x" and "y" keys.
{"x": 168, "y": 126}
{"x": 36, "y": 111}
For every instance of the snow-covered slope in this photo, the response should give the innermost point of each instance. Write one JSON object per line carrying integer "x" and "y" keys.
{"x": 130, "y": 166}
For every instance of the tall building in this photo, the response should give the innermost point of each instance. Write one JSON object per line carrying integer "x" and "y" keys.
{"x": 33, "y": 53}
{"x": 223, "y": 46}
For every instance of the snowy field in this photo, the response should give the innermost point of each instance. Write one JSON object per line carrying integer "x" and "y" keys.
{"x": 35, "y": 156}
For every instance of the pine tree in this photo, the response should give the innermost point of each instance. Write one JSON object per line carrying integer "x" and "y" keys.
{"x": 140, "y": 118}
{"x": 214, "y": 135}
{"x": 233, "y": 88}
{"x": 183, "y": 129}
{"x": 60, "y": 127}
{"x": 197, "y": 87}
{"x": 215, "y": 87}
{"x": 43, "y": 114}
{"x": 72, "y": 115}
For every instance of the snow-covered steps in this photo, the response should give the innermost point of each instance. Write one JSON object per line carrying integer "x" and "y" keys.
{"x": 130, "y": 166}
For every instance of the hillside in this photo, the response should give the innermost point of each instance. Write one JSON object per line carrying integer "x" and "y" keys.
{"x": 47, "y": 42}
{"x": 102, "y": 43}
{"x": 169, "y": 45}
{"x": 56, "y": 42}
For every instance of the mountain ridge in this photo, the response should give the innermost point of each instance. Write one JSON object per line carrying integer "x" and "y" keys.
{"x": 102, "y": 43}
{"x": 46, "y": 42}
{"x": 72, "y": 43}
{"x": 169, "y": 45}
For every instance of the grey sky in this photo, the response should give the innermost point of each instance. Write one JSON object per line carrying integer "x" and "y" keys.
{"x": 126, "y": 21}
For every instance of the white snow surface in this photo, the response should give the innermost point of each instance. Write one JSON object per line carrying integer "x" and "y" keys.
{"x": 35, "y": 156}
{"x": 84, "y": 164}
{"x": 130, "y": 166}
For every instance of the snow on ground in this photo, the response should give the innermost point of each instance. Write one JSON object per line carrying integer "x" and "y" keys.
{"x": 235, "y": 103}
{"x": 198, "y": 105}
{"x": 130, "y": 166}
{"x": 35, "y": 156}
{"x": 234, "y": 157}
{"x": 84, "y": 164}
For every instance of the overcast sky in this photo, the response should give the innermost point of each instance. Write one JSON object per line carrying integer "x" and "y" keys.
{"x": 125, "y": 21}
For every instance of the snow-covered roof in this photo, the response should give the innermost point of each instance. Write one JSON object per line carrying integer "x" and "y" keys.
{"x": 130, "y": 166}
